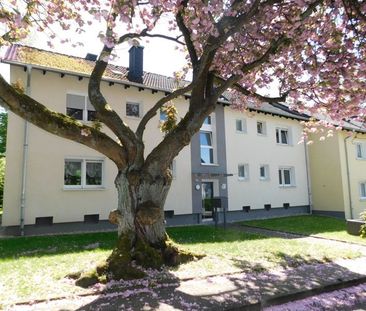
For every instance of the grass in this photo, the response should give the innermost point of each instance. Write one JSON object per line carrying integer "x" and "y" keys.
{"x": 322, "y": 226}
{"x": 35, "y": 267}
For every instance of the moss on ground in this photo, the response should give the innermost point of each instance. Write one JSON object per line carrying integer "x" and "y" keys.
{"x": 128, "y": 256}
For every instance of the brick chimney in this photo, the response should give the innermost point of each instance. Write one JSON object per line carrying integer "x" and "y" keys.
{"x": 136, "y": 68}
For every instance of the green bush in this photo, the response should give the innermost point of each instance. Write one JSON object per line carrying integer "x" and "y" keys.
{"x": 2, "y": 177}
{"x": 363, "y": 227}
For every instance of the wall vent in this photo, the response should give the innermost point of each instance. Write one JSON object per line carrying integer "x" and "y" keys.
{"x": 169, "y": 214}
{"x": 91, "y": 219}
{"x": 44, "y": 221}
{"x": 286, "y": 205}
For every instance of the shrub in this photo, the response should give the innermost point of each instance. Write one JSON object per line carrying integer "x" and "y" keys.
{"x": 2, "y": 175}
{"x": 363, "y": 227}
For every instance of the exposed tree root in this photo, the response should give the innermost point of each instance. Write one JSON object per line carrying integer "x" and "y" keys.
{"x": 127, "y": 256}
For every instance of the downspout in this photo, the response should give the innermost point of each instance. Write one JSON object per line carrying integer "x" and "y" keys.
{"x": 25, "y": 158}
{"x": 348, "y": 177}
{"x": 310, "y": 198}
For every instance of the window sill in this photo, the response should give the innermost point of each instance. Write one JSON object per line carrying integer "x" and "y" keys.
{"x": 261, "y": 134}
{"x": 133, "y": 118}
{"x": 361, "y": 159}
{"x": 84, "y": 189}
{"x": 264, "y": 179}
{"x": 243, "y": 179}
{"x": 287, "y": 145}
{"x": 287, "y": 186}
{"x": 240, "y": 132}
{"x": 363, "y": 199}
{"x": 210, "y": 164}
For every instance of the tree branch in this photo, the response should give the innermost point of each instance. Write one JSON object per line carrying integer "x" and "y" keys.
{"x": 60, "y": 124}
{"x": 187, "y": 36}
{"x": 144, "y": 33}
{"x": 152, "y": 112}
{"x": 104, "y": 112}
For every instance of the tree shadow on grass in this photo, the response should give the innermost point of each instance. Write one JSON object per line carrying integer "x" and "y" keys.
{"x": 223, "y": 292}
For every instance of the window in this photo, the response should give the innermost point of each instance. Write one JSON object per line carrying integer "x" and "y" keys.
{"x": 133, "y": 110}
{"x": 241, "y": 126}
{"x": 208, "y": 120}
{"x": 261, "y": 128}
{"x": 243, "y": 171}
{"x": 282, "y": 136}
{"x": 206, "y": 147}
{"x": 173, "y": 169}
{"x": 361, "y": 151}
{"x": 286, "y": 177}
{"x": 263, "y": 172}
{"x": 83, "y": 173}
{"x": 80, "y": 108}
{"x": 163, "y": 116}
{"x": 363, "y": 191}
{"x": 207, "y": 140}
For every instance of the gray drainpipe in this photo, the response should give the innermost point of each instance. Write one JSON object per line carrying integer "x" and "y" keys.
{"x": 25, "y": 158}
{"x": 348, "y": 177}
{"x": 310, "y": 198}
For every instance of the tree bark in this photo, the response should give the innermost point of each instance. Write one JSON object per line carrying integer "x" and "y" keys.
{"x": 141, "y": 199}
{"x": 141, "y": 226}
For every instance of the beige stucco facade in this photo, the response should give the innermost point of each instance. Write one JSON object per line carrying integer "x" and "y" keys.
{"x": 45, "y": 192}
{"x": 254, "y": 150}
{"x": 337, "y": 173}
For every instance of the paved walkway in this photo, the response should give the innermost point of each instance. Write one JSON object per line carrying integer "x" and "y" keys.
{"x": 235, "y": 291}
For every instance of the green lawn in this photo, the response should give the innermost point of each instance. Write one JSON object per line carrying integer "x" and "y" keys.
{"x": 327, "y": 227}
{"x": 35, "y": 267}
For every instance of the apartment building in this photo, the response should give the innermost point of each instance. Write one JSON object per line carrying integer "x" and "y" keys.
{"x": 250, "y": 160}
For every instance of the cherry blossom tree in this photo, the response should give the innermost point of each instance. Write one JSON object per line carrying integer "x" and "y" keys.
{"x": 313, "y": 49}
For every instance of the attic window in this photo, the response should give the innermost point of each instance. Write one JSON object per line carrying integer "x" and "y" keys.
{"x": 117, "y": 72}
{"x": 91, "y": 57}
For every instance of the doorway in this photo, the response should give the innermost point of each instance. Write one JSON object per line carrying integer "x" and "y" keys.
{"x": 207, "y": 196}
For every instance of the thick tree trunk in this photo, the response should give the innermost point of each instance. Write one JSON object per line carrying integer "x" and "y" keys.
{"x": 142, "y": 240}
{"x": 141, "y": 201}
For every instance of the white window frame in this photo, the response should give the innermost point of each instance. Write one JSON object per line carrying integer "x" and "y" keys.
{"x": 292, "y": 176}
{"x": 209, "y": 147}
{"x": 278, "y": 132}
{"x": 266, "y": 172}
{"x": 83, "y": 185}
{"x": 243, "y": 123}
{"x": 139, "y": 104}
{"x": 85, "y": 109}
{"x": 361, "y": 151}
{"x": 210, "y": 128}
{"x": 246, "y": 171}
{"x": 264, "y": 128}
{"x": 362, "y": 188}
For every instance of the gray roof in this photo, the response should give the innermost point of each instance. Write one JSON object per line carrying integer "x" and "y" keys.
{"x": 57, "y": 62}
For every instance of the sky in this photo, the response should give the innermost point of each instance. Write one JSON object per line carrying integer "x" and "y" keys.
{"x": 160, "y": 56}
